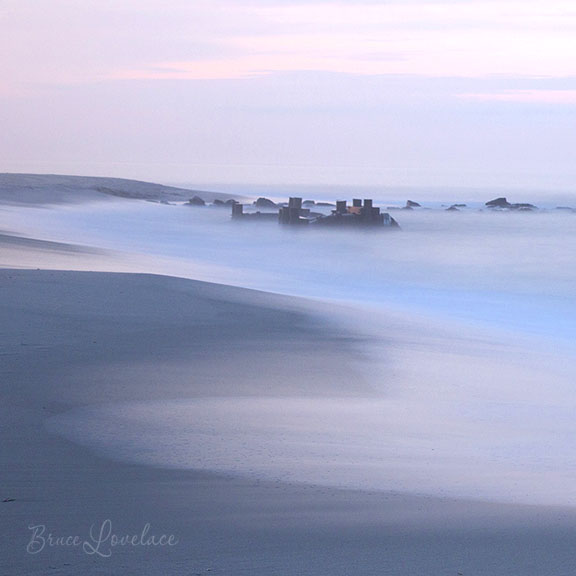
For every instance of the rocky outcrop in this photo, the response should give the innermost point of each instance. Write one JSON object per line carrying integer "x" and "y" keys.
{"x": 224, "y": 204}
{"x": 196, "y": 201}
{"x": 502, "y": 203}
{"x": 498, "y": 203}
{"x": 265, "y": 203}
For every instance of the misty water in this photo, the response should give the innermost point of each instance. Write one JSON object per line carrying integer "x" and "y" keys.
{"x": 476, "y": 381}
{"x": 513, "y": 270}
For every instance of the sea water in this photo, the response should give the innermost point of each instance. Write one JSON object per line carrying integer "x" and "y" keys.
{"x": 512, "y": 270}
{"x": 484, "y": 386}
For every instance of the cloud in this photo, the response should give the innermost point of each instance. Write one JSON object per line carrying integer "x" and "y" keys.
{"x": 529, "y": 96}
{"x": 63, "y": 41}
{"x": 472, "y": 39}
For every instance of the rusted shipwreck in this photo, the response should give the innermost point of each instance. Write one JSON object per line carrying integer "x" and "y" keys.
{"x": 362, "y": 214}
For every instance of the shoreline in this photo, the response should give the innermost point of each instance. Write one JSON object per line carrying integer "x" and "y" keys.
{"x": 226, "y": 524}
{"x": 76, "y": 340}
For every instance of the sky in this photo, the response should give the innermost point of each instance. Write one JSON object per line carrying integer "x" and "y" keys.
{"x": 396, "y": 93}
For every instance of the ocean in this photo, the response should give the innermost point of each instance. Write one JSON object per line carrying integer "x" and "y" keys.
{"x": 470, "y": 323}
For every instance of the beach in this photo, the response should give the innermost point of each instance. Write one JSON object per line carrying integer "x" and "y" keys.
{"x": 100, "y": 346}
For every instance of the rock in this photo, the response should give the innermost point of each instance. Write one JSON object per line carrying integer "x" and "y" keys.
{"x": 498, "y": 203}
{"x": 196, "y": 201}
{"x": 218, "y": 202}
{"x": 566, "y": 208}
{"x": 264, "y": 203}
{"x": 308, "y": 203}
{"x": 411, "y": 204}
{"x": 503, "y": 203}
{"x": 452, "y": 209}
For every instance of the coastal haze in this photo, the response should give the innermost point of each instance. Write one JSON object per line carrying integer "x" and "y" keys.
{"x": 281, "y": 399}
{"x": 397, "y": 379}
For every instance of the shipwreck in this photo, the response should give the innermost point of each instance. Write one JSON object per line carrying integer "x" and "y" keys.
{"x": 361, "y": 214}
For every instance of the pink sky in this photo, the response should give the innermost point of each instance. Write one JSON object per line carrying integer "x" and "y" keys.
{"x": 59, "y": 41}
{"x": 59, "y": 53}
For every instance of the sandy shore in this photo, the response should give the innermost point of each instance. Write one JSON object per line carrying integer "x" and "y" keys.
{"x": 73, "y": 339}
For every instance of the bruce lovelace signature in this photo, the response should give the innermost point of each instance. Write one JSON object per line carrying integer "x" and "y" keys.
{"x": 101, "y": 540}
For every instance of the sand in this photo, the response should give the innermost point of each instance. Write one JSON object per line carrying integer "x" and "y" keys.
{"x": 61, "y": 330}
{"x": 78, "y": 339}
